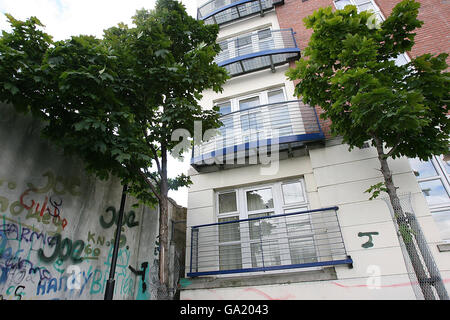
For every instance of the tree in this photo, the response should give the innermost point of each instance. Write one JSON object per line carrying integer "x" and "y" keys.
{"x": 114, "y": 102}
{"x": 164, "y": 86}
{"x": 349, "y": 70}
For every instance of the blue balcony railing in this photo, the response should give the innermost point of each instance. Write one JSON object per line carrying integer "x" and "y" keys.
{"x": 257, "y": 50}
{"x": 223, "y": 11}
{"x": 303, "y": 239}
{"x": 264, "y": 125}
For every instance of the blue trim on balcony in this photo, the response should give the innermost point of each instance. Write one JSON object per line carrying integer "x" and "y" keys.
{"x": 255, "y": 144}
{"x": 259, "y": 54}
{"x": 347, "y": 261}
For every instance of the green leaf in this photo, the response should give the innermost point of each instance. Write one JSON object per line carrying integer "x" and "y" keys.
{"x": 12, "y": 88}
{"x": 162, "y": 53}
{"x": 79, "y": 126}
{"x": 122, "y": 157}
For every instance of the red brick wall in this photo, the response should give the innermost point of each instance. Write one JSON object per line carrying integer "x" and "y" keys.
{"x": 433, "y": 37}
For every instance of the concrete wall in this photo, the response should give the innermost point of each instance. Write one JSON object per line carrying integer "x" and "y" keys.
{"x": 36, "y": 178}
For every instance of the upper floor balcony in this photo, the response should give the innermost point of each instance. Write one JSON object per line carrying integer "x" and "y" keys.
{"x": 258, "y": 50}
{"x": 254, "y": 126}
{"x": 223, "y": 11}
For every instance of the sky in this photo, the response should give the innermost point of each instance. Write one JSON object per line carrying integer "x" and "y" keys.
{"x": 64, "y": 18}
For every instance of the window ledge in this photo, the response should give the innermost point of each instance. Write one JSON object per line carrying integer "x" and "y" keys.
{"x": 328, "y": 273}
{"x": 444, "y": 247}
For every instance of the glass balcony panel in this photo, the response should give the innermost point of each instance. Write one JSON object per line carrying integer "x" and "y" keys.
{"x": 289, "y": 121}
{"x": 258, "y": 50}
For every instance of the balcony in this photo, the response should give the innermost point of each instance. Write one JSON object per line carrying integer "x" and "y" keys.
{"x": 303, "y": 239}
{"x": 223, "y": 11}
{"x": 258, "y": 50}
{"x": 281, "y": 123}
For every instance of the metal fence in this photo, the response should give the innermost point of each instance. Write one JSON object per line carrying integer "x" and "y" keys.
{"x": 280, "y": 122}
{"x": 268, "y": 242}
{"x": 222, "y": 11}
{"x": 257, "y": 50}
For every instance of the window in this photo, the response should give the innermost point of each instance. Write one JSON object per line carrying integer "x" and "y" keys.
{"x": 434, "y": 181}
{"x": 367, "y": 5}
{"x": 224, "y": 108}
{"x": 264, "y": 242}
{"x": 249, "y": 103}
{"x": 292, "y": 192}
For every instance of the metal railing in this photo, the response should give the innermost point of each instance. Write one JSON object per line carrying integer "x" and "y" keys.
{"x": 223, "y": 11}
{"x": 257, "y": 50}
{"x": 268, "y": 242}
{"x": 282, "y": 122}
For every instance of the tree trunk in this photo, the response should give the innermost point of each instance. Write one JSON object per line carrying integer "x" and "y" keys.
{"x": 403, "y": 224}
{"x": 163, "y": 225}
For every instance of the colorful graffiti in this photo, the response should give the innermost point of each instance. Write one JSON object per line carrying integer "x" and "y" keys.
{"x": 39, "y": 256}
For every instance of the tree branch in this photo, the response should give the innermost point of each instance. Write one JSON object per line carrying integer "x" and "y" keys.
{"x": 152, "y": 177}
{"x": 155, "y": 153}
{"x": 394, "y": 148}
{"x": 150, "y": 184}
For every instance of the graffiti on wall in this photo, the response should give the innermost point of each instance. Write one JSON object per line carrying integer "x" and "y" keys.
{"x": 39, "y": 256}
{"x": 369, "y": 242}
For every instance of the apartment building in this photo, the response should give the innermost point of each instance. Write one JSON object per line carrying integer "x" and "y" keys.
{"x": 277, "y": 209}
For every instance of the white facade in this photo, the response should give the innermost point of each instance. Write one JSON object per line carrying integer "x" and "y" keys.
{"x": 328, "y": 175}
